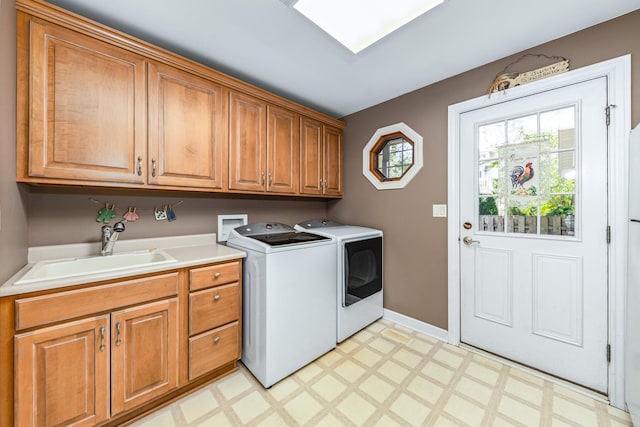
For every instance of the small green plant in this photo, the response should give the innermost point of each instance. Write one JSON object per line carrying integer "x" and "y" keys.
{"x": 488, "y": 206}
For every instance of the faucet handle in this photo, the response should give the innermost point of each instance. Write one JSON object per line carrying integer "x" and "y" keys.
{"x": 118, "y": 227}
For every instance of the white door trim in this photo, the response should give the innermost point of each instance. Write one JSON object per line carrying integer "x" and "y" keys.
{"x": 618, "y": 73}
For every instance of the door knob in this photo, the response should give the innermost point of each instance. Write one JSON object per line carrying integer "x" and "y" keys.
{"x": 468, "y": 240}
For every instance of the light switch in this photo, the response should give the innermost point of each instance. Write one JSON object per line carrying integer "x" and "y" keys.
{"x": 440, "y": 211}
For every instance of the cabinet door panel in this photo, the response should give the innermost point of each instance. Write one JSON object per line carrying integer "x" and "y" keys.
{"x": 332, "y": 161}
{"x": 144, "y": 361}
{"x": 62, "y": 374}
{"x": 247, "y": 141}
{"x": 187, "y": 118}
{"x": 283, "y": 142}
{"x": 87, "y": 102}
{"x": 310, "y": 156}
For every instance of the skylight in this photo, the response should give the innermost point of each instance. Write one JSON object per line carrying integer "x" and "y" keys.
{"x": 358, "y": 24}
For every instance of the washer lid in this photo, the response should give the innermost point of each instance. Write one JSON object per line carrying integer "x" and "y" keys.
{"x": 277, "y": 234}
{"x": 290, "y": 238}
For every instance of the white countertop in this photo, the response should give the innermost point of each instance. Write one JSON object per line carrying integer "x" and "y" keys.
{"x": 187, "y": 250}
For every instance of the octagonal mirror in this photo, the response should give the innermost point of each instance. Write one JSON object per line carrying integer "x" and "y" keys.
{"x": 392, "y": 157}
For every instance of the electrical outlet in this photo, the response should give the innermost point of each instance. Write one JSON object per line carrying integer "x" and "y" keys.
{"x": 440, "y": 211}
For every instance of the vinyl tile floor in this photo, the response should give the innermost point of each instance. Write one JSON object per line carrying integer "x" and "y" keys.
{"x": 387, "y": 375}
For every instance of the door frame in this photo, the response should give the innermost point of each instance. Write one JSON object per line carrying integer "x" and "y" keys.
{"x": 618, "y": 73}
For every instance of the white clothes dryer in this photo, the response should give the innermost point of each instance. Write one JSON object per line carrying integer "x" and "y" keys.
{"x": 289, "y": 294}
{"x": 359, "y": 279}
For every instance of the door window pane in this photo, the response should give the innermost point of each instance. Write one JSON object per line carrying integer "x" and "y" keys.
{"x": 523, "y": 218}
{"x": 560, "y": 126}
{"x": 490, "y": 136}
{"x": 491, "y": 216}
{"x": 522, "y": 128}
{"x": 488, "y": 177}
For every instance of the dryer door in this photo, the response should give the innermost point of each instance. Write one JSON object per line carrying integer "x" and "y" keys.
{"x": 363, "y": 269}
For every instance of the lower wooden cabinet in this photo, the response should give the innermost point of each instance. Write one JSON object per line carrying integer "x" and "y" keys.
{"x": 215, "y": 302}
{"x": 150, "y": 340}
{"x": 62, "y": 374}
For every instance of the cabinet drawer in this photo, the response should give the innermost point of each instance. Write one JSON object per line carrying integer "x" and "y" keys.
{"x": 219, "y": 274}
{"x": 213, "y": 307}
{"x": 66, "y": 305}
{"x": 213, "y": 349}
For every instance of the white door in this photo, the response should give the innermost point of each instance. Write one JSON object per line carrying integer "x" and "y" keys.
{"x": 533, "y": 210}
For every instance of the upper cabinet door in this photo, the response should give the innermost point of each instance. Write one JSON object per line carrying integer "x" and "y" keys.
{"x": 283, "y": 145}
{"x": 332, "y": 161}
{"x": 187, "y": 130}
{"x": 247, "y": 143}
{"x": 87, "y": 101}
{"x": 311, "y": 153}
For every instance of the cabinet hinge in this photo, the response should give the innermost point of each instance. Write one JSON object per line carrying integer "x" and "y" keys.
{"x": 607, "y": 110}
{"x": 608, "y": 234}
{"x": 608, "y": 353}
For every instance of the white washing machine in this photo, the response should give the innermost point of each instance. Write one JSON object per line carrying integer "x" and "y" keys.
{"x": 288, "y": 294}
{"x": 359, "y": 273}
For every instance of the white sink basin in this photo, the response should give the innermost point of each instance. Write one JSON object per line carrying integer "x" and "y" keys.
{"x": 70, "y": 267}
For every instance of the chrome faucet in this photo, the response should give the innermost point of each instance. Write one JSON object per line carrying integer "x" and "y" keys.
{"x": 109, "y": 237}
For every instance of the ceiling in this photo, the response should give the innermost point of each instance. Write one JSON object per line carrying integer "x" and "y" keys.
{"x": 266, "y": 43}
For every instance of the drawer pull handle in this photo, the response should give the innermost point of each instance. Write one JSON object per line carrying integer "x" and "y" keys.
{"x": 101, "y": 338}
{"x": 216, "y": 339}
{"x": 217, "y": 274}
{"x": 216, "y": 297}
{"x": 118, "y": 341}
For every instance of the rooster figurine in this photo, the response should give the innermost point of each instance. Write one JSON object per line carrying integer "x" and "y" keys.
{"x": 520, "y": 175}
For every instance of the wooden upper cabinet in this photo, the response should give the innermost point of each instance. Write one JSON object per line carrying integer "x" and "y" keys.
{"x": 247, "y": 147}
{"x": 311, "y": 153}
{"x": 96, "y": 107}
{"x": 332, "y": 161}
{"x": 144, "y": 362}
{"x": 85, "y": 105}
{"x": 283, "y": 145}
{"x": 62, "y": 374}
{"x": 320, "y": 159}
{"x": 187, "y": 129}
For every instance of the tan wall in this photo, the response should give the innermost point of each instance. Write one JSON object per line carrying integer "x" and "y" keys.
{"x": 58, "y": 216}
{"x": 13, "y": 202}
{"x": 415, "y": 242}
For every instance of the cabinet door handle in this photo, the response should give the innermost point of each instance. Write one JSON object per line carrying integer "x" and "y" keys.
{"x": 139, "y": 166}
{"x": 216, "y": 339}
{"x": 262, "y": 177}
{"x": 118, "y": 341}
{"x": 153, "y": 168}
{"x": 217, "y": 274}
{"x": 101, "y": 338}
{"x": 270, "y": 178}
{"x": 216, "y": 297}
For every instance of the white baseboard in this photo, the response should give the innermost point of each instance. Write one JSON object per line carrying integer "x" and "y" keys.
{"x": 416, "y": 325}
